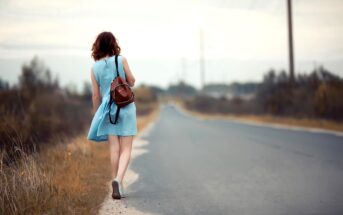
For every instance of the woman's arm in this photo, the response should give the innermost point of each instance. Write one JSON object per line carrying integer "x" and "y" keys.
{"x": 129, "y": 76}
{"x": 95, "y": 93}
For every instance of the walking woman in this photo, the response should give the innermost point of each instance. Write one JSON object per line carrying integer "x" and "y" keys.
{"x": 119, "y": 135}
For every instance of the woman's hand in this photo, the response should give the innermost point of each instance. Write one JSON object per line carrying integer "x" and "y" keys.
{"x": 129, "y": 76}
{"x": 95, "y": 93}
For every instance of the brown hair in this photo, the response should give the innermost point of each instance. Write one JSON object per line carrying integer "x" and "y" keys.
{"x": 105, "y": 44}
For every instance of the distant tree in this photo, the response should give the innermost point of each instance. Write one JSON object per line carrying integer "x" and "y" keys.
{"x": 326, "y": 76}
{"x": 316, "y": 94}
{"x": 328, "y": 101}
{"x": 182, "y": 89}
{"x": 87, "y": 91}
{"x": 4, "y": 85}
{"x": 56, "y": 83}
{"x": 36, "y": 76}
{"x": 269, "y": 78}
{"x": 157, "y": 90}
{"x": 282, "y": 77}
{"x": 71, "y": 89}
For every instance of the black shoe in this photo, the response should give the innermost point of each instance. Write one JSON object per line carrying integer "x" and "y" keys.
{"x": 115, "y": 187}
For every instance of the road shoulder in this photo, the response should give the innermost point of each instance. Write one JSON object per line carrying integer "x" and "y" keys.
{"x": 122, "y": 206}
{"x": 256, "y": 121}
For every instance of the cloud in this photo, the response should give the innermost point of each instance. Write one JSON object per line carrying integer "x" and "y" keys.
{"x": 40, "y": 46}
{"x": 236, "y": 32}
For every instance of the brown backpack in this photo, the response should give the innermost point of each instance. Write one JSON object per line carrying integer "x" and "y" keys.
{"x": 120, "y": 93}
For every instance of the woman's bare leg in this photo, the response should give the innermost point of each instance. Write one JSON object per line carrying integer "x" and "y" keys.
{"x": 114, "y": 151}
{"x": 125, "y": 155}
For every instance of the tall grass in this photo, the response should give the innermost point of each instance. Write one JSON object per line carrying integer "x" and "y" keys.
{"x": 25, "y": 188}
{"x": 61, "y": 179}
{"x": 68, "y": 176}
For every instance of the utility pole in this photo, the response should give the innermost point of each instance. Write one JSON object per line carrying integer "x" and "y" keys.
{"x": 290, "y": 41}
{"x": 202, "y": 58}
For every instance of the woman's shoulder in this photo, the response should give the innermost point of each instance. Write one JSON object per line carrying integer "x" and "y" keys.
{"x": 123, "y": 59}
{"x": 95, "y": 65}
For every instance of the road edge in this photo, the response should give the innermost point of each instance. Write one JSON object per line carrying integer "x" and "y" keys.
{"x": 260, "y": 124}
{"x": 110, "y": 206}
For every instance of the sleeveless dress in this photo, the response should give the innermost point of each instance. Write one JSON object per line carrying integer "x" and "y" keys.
{"x": 100, "y": 128}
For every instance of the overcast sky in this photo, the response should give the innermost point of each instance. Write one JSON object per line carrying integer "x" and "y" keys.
{"x": 242, "y": 38}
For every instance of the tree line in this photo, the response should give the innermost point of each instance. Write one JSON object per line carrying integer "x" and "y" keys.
{"x": 37, "y": 110}
{"x": 318, "y": 94}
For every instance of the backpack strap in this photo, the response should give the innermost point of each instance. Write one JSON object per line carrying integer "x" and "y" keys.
{"x": 116, "y": 62}
{"x": 117, "y": 113}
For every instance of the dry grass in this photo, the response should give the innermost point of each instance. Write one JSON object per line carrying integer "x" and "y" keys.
{"x": 25, "y": 188}
{"x": 301, "y": 122}
{"x": 63, "y": 179}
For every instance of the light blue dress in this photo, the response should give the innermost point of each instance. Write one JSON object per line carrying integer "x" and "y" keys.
{"x": 100, "y": 128}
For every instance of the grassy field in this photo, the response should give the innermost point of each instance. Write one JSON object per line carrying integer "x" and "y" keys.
{"x": 62, "y": 179}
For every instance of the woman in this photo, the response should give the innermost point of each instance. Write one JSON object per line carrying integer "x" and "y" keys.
{"x": 120, "y": 135}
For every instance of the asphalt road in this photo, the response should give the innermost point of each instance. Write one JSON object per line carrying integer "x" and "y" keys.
{"x": 224, "y": 167}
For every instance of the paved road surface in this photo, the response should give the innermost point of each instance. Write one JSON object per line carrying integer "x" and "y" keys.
{"x": 221, "y": 167}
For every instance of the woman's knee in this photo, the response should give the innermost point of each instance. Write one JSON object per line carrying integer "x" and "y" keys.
{"x": 113, "y": 142}
{"x": 125, "y": 144}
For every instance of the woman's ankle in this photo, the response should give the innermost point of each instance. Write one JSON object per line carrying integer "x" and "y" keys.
{"x": 117, "y": 179}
